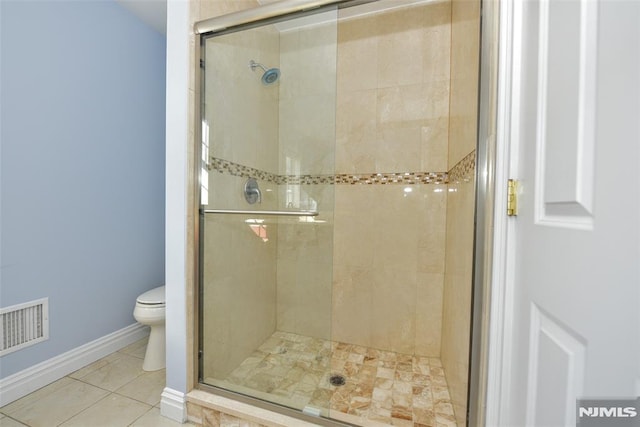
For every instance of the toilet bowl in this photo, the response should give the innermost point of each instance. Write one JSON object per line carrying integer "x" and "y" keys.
{"x": 150, "y": 311}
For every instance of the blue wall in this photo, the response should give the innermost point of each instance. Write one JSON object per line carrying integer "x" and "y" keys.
{"x": 82, "y": 165}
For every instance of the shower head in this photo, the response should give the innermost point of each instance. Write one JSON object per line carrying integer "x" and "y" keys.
{"x": 269, "y": 76}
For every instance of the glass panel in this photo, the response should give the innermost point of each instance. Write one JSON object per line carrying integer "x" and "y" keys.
{"x": 367, "y": 128}
{"x": 269, "y": 128}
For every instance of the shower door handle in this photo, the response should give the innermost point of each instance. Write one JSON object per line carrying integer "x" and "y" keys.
{"x": 259, "y": 213}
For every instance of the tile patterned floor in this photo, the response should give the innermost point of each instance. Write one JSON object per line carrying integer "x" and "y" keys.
{"x": 111, "y": 392}
{"x": 382, "y": 387}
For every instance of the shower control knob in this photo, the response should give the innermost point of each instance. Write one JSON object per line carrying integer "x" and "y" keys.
{"x": 252, "y": 193}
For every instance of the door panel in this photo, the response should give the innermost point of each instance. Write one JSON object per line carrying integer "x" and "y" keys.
{"x": 577, "y": 236}
{"x": 566, "y": 35}
{"x": 556, "y": 369}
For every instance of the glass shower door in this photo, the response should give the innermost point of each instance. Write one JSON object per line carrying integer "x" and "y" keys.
{"x": 267, "y": 197}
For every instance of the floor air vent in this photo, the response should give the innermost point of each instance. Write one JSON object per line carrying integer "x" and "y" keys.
{"x": 23, "y": 325}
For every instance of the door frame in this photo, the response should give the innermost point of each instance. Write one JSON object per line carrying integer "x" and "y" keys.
{"x": 499, "y": 347}
{"x": 493, "y": 302}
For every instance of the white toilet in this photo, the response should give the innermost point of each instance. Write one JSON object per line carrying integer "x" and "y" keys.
{"x": 150, "y": 311}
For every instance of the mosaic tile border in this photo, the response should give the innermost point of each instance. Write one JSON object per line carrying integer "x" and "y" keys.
{"x": 462, "y": 171}
{"x": 236, "y": 169}
{"x": 406, "y": 178}
{"x": 393, "y": 178}
{"x": 306, "y": 179}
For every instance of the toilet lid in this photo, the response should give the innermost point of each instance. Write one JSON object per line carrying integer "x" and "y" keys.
{"x": 154, "y": 296}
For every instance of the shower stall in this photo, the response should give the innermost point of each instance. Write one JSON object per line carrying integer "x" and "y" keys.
{"x": 336, "y": 181}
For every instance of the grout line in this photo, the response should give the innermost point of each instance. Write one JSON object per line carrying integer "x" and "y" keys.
{"x": 85, "y": 409}
{"x": 13, "y": 419}
{"x": 134, "y": 421}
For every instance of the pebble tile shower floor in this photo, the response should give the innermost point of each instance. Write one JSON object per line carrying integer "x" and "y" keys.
{"x": 381, "y": 388}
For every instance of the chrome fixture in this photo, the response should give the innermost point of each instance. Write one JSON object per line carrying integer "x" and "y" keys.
{"x": 259, "y": 213}
{"x": 270, "y": 75}
{"x": 252, "y": 193}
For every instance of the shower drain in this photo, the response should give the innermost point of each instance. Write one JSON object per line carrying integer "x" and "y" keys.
{"x": 337, "y": 380}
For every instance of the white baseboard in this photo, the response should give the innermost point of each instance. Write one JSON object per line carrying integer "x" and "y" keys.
{"x": 29, "y": 380}
{"x": 173, "y": 405}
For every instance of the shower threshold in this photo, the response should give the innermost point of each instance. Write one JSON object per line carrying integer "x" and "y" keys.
{"x": 380, "y": 388}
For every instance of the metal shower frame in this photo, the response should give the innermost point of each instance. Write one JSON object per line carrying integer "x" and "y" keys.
{"x": 485, "y": 187}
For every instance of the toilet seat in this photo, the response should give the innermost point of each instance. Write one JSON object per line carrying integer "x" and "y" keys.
{"x": 150, "y": 311}
{"x": 155, "y": 297}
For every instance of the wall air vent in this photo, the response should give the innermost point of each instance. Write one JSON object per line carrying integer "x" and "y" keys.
{"x": 23, "y": 325}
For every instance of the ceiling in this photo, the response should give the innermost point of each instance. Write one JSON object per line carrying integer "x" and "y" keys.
{"x": 152, "y": 12}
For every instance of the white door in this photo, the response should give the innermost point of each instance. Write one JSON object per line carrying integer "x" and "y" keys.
{"x": 575, "y": 278}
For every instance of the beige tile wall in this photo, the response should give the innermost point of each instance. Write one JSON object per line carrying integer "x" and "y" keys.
{"x": 305, "y": 268}
{"x": 240, "y": 112}
{"x": 307, "y": 140}
{"x": 239, "y": 283}
{"x": 392, "y": 116}
{"x": 307, "y": 99}
{"x": 239, "y": 277}
{"x": 460, "y": 204}
{"x": 204, "y": 9}
{"x": 465, "y": 68}
{"x": 393, "y": 91}
{"x": 388, "y": 267}
{"x": 456, "y": 318}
